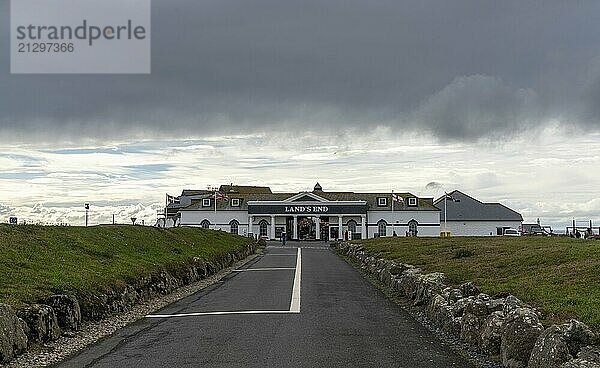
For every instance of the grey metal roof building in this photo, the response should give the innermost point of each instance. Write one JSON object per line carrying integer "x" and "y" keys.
{"x": 468, "y": 216}
{"x": 470, "y": 209}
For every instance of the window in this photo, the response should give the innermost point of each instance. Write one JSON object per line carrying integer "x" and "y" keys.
{"x": 263, "y": 228}
{"x": 412, "y": 228}
{"x": 206, "y": 202}
{"x": 382, "y": 228}
{"x": 352, "y": 226}
{"x": 412, "y": 201}
{"x": 205, "y": 224}
{"x": 382, "y": 202}
{"x": 234, "y": 227}
{"x": 235, "y": 202}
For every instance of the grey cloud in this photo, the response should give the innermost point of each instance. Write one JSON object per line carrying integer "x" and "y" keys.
{"x": 461, "y": 70}
{"x": 434, "y": 185}
{"x": 475, "y": 106}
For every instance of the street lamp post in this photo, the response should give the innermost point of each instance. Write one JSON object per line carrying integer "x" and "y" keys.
{"x": 87, "y": 209}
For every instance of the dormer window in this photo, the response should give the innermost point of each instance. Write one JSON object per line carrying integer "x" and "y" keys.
{"x": 235, "y": 202}
{"x": 413, "y": 202}
{"x": 206, "y": 202}
{"x": 382, "y": 201}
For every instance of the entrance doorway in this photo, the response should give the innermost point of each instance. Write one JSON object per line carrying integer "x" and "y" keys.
{"x": 306, "y": 228}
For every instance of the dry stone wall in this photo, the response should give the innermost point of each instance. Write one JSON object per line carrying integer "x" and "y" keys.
{"x": 506, "y": 329}
{"x": 59, "y": 315}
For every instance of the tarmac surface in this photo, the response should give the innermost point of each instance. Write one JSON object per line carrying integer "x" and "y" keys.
{"x": 294, "y": 306}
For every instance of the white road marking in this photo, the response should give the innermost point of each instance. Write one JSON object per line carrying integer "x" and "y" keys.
{"x": 264, "y": 269}
{"x": 295, "y": 303}
{"x": 218, "y": 313}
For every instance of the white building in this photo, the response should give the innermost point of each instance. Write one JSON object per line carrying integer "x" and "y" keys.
{"x": 317, "y": 215}
{"x": 469, "y": 217}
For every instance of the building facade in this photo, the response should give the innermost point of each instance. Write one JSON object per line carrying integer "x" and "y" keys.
{"x": 468, "y": 216}
{"x": 314, "y": 215}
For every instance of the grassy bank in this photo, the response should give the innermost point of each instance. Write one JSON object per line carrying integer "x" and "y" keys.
{"x": 36, "y": 261}
{"x": 560, "y": 276}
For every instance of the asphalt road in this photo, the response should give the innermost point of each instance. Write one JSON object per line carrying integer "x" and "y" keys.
{"x": 276, "y": 314}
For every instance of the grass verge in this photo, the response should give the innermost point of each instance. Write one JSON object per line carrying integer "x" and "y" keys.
{"x": 559, "y": 276}
{"x": 36, "y": 261}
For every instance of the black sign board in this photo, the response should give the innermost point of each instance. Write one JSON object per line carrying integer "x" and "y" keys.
{"x": 12, "y": 220}
{"x": 316, "y": 209}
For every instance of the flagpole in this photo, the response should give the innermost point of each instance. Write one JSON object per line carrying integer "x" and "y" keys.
{"x": 166, "y": 204}
{"x": 393, "y": 219}
{"x": 445, "y": 211}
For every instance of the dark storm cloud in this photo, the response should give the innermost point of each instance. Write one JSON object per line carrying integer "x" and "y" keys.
{"x": 460, "y": 70}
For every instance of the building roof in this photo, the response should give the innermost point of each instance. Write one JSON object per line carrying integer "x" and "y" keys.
{"x": 244, "y": 189}
{"x": 249, "y": 193}
{"x": 470, "y": 209}
{"x": 193, "y": 192}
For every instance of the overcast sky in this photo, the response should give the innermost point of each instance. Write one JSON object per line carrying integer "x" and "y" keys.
{"x": 500, "y": 99}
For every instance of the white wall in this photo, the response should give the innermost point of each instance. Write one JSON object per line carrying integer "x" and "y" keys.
{"x": 218, "y": 221}
{"x": 400, "y": 220}
{"x": 478, "y": 228}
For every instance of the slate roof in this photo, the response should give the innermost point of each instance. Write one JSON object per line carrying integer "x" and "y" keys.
{"x": 471, "y": 209}
{"x": 246, "y": 194}
{"x": 193, "y": 192}
{"x": 245, "y": 189}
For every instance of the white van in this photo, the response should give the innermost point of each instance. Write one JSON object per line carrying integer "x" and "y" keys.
{"x": 511, "y": 232}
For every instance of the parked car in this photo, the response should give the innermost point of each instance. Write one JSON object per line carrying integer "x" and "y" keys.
{"x": 511, "y": 232}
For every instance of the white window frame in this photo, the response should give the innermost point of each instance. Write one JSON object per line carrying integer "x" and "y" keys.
{"x": 206, "y": 202}
{"x": 413, "y": 227}
{"x": 380, "y": 224}
{"x": 382, "y": 202}
{"x": 263, "y": 227}
{"x": 235, "y": 202}
{"x": 352, "y": 226}
{"x": 413, "y": 201}
{"x": 234, "y": 225}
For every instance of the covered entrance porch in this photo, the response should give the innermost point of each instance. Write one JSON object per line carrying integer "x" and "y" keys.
{"x": 307, "y": 216}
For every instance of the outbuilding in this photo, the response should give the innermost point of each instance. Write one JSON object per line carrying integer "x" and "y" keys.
{"x": 468, "y": 216}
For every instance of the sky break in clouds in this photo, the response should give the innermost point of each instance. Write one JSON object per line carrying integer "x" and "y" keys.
{"x": 498, "y": 99}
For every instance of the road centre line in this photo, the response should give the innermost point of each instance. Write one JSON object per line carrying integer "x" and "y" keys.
{"x": 218, "y": 313}
{"x": 264, "y": 269}
{"x": 295, "y": 303}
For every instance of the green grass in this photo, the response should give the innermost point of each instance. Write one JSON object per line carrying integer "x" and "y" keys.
{"x": 560, "y": 276}
{"x": 36, "y": 261}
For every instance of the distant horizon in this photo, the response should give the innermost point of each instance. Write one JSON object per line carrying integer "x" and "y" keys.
{"x": 498, "y": 99}
{"x": 101, "y": 212}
